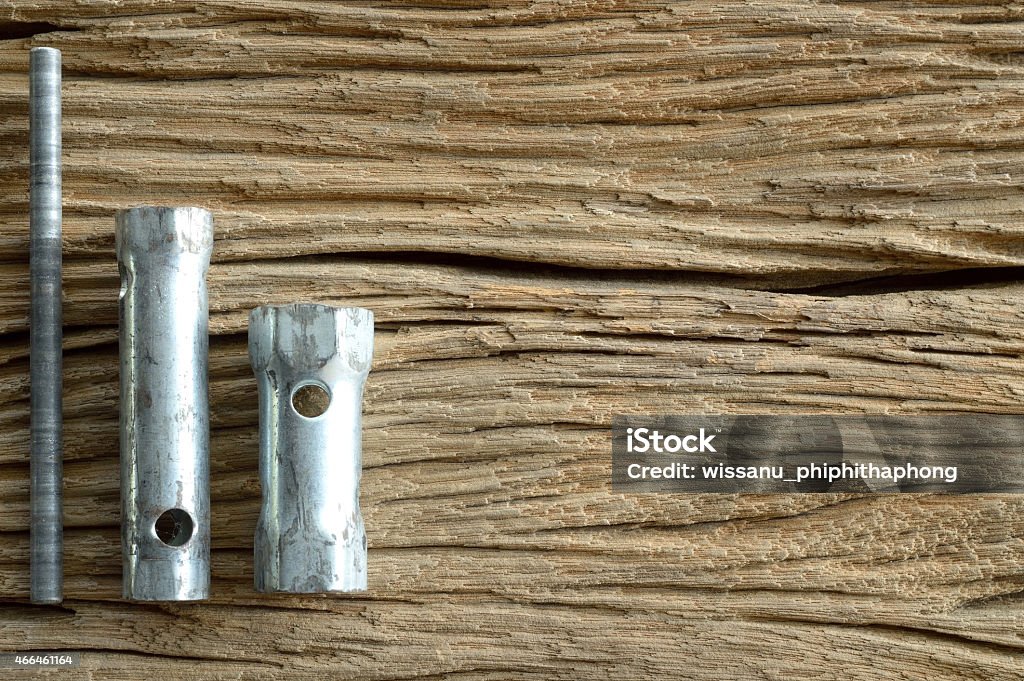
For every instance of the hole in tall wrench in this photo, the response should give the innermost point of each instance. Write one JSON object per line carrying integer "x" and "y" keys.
{"x": 174, "y": 527}
{"x": 310, "y": 400}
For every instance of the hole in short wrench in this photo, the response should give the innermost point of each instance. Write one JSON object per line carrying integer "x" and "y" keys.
{"x": 310, "y": 400}
{"x": 174, "y": 527}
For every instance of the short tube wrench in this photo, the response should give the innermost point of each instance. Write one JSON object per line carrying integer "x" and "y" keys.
{"x": 311, "y": 362}
{"x": 163, "y": 254}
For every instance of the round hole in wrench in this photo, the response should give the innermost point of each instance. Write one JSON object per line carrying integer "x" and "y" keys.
{"x": 174, "y": 527}
{"x": 310, "y": 400}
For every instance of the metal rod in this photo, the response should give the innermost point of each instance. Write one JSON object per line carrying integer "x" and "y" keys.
{"x": 45, "y": 335}
{"x": 163, "y": 255}
{"x": 311, "y": 362}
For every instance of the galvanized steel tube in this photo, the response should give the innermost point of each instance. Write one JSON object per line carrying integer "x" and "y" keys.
{"x": 311, "y": 362}
{"x": 45, "y": 332}
{"x": 163, "y": 254}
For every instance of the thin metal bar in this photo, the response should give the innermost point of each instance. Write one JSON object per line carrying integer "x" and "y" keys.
{"x": 45, "y": 333}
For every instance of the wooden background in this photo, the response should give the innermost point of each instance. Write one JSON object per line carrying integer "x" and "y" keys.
{"x": 558, "y": 211}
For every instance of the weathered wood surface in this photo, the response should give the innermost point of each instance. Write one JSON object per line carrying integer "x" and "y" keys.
{"x": 558, "y": 212}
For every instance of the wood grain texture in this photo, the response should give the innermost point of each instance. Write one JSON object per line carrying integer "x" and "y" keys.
{"x": 558, "y": 211}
